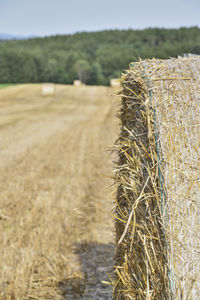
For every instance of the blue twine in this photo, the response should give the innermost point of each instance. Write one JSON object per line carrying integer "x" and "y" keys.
{"x": 157, "y": 150}
{"x": 157, "y": 141}
{"x": 162, "y": 192}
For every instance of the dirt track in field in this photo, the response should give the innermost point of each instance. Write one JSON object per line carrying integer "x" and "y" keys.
{"x": 56, "y": 232}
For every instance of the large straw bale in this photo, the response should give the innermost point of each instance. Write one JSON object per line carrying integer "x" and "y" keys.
{"x": 158, "y": 177}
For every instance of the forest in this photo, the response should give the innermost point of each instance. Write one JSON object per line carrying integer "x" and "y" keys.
{"x": 92, "y": 57}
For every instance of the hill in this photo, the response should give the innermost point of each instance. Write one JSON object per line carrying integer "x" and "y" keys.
{"x": 92, "y": 57}
{"x": 5, "y": 36}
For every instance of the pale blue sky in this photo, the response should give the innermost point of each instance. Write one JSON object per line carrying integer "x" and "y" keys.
{"x": 47, "y": 17}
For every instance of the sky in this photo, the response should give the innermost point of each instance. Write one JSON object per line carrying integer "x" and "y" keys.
{"x": 49, "y": 17}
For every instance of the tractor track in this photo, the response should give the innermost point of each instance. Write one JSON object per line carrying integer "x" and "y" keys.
{"x": 57, "y": 236}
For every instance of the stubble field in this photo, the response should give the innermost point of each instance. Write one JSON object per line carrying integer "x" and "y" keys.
{"x": 56, "y": 231}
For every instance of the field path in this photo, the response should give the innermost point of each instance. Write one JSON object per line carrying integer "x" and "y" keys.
{"x": 56, "y": 232}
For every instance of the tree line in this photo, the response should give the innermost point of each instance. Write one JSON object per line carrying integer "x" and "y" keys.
{"x": 93, "y": 57}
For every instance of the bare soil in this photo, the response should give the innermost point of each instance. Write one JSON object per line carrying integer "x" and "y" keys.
{"x": 56, "y": 231}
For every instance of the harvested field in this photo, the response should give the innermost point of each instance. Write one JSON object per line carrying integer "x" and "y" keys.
{"x": 158, "y": 176}
{"x": 56, "y": 233}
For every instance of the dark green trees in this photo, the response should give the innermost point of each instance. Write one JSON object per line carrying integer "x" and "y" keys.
{"x": 93, "y": 58}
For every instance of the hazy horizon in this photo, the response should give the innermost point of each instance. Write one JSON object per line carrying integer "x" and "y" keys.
{"x": 50, "y": 17}
{"x": 85, "y": 31}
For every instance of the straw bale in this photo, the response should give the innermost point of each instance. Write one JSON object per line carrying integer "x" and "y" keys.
{"x": 48, "y": 89}
{"x": 115, "y": 82}
{"x": 158, "y": 177}
{"x": 77, "y": 83}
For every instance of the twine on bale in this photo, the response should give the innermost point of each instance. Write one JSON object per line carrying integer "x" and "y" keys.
{"x": 162, "y": 192}
{"x": 161, "y": 179}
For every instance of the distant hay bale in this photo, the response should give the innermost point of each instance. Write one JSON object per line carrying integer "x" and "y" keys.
{"x": 115, "y": 82}
{"x": 158, "y": 177}
{"x": 48, "y": 89}
{"x": 78, "y": 83}
{"x": 190, "y": 55}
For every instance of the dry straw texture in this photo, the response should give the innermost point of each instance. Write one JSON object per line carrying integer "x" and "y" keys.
{"x": 158, "y": 177}
{"x": 55, "y": 230}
